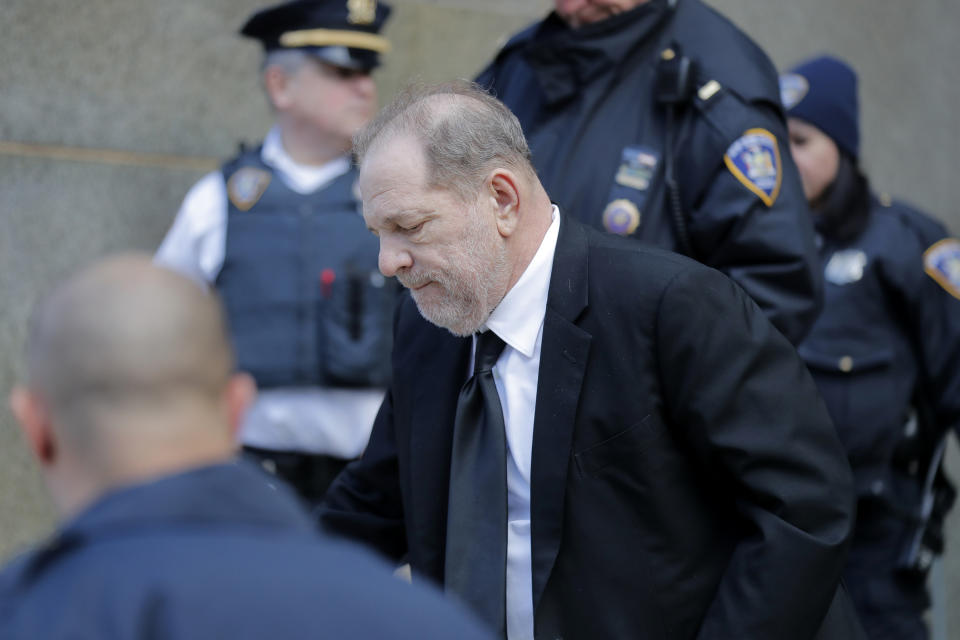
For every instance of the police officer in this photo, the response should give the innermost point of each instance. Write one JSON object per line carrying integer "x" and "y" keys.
{"x": 129, "y": 408}
{"x": 278, "y": 232}
{"x": 885, "y": 352}
{"x": 660, "y": 120}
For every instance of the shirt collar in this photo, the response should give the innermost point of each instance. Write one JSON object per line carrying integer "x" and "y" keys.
{"x": 519, "y": 316}
{"x": 303, "y": 178}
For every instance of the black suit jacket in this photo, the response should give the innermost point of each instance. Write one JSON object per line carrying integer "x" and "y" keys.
{"x": 686, "y": 480}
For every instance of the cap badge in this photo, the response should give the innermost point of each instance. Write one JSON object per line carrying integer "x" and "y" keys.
{"x": 361, "y": 11}
{"x": 793, "y": 87}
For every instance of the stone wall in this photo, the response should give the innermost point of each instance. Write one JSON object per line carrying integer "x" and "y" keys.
{"x": 110, "y": 110}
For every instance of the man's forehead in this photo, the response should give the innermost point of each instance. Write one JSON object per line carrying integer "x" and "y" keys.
{"x": 392, "y": 162}
{"x": 395, "y": 148}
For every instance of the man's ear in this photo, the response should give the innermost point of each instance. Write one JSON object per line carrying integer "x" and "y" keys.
{"x": 240, "y": 393}
{"x": 505, "y": 192}
{"x": 34, "y": 419}
{"x": 277, "y": 83}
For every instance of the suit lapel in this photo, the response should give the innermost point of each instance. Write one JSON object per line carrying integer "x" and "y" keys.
{"x": 440, "y": 363}
{"x": 563, "y": 359}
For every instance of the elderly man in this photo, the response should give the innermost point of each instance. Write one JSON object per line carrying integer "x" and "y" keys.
{"x": 661, "y": 121}
{"x": 130, "y": 409}
{"x": 278, "y": 232}
{"x": 637, "y": 454}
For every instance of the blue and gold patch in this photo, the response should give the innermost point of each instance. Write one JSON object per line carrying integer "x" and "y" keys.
{"x": 754, "y": 160}
{"x": 793, "y": 88}
{"x": 942, "y": 263}
{"x": 621, "y": 217}
{"x": 246, "y": 186}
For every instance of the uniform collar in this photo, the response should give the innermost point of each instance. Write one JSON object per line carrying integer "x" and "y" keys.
{"x": 230, "y": 492}
{"x": 566, "y": 59}
{"x": 302, "y": 178}
{"x": 233, "y": 493}
{"x": 519, "y": 316}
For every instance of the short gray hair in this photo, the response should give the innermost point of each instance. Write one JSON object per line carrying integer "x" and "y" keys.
{"x": 289, "y": 60}
{"x": 464, "y": 131}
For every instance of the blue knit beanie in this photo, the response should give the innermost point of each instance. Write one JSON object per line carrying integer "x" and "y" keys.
{"x": 823, "y": 92}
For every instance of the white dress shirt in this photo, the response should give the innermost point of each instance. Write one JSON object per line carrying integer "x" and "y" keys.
{"x": 335, "y": 422}
{"x": 518, "y": 321}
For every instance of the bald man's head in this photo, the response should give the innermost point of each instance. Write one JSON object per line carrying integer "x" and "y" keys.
{"x": 129, "y": 363}
{"x": 124, "y": 333}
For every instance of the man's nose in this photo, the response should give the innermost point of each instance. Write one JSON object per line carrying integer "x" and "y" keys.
{"x": 393, "y": 257}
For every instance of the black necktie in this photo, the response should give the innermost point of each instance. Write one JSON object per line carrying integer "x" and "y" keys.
{"x": 476, "y": 554}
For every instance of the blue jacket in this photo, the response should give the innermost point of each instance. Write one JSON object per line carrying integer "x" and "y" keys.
{"x": 587, "y": 101}
{"x": 888, "y": 342}
{"x": 213, "y": 553}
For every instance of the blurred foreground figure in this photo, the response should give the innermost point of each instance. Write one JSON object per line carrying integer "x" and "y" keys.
{"x": 130, "y": 409}
{"x": 278, "y": 232}
{"x": 885, "y": 352}
{"x": 660, "y": 120}
{"x": 585, "y": 437}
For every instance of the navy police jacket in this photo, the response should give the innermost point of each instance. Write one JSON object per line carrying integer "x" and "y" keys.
{"x": 887, "y": 343}
{"x": 215, "y": 552}
{"x": 587, "y": 101}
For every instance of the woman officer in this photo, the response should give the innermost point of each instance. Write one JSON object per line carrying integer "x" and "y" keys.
{"x": 885, "y": 352}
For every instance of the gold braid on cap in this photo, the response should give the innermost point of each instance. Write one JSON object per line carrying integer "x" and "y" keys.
{"x": 335, "y": 38}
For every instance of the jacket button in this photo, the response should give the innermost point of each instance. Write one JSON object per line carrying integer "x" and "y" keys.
{"x": 845, "y": 364}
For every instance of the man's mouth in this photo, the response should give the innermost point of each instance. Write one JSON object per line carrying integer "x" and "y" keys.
{"x": 414, "y": 285}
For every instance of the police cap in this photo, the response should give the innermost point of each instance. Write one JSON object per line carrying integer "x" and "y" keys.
{"x": 345, "y": 33}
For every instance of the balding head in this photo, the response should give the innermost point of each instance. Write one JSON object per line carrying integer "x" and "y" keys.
{"x": 463, "y": 132}
{"x": 447, "y": 185}
{"x": 129, "y": 366}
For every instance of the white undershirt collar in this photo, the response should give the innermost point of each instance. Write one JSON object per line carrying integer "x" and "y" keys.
{"x": 302, "y": 178}
{"x": 519, "y": 316}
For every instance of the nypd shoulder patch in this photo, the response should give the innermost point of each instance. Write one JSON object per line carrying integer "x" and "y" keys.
{"x": 754, "y": 160}
{"x": 246, "y": 185}
{"x": 942, "y": 263}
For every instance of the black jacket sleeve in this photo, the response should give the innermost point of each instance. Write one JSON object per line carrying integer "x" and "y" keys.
{"x": 751, "y": 415}
{"x": 364, "y": 502}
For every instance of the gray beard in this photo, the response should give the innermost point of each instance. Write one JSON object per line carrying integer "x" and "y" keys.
{"x": 470, "y": 292}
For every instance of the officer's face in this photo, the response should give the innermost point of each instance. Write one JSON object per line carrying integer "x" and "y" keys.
{"x": 577, "y": 13}
{"x": 330, "y": 101}
{"x": 816, "y": 155}
{"x": 448, "y": 252}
